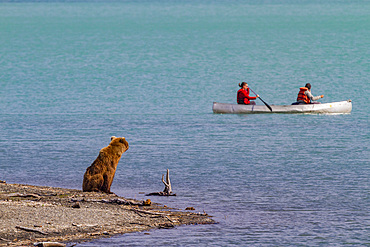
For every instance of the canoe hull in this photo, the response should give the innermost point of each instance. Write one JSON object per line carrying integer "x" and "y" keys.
{"x": 328, "y": 108}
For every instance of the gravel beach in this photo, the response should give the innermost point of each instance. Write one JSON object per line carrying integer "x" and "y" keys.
{"x": 35, "y": 214}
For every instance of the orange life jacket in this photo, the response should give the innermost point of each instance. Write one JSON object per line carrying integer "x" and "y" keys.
{"x": 302, "y": 96}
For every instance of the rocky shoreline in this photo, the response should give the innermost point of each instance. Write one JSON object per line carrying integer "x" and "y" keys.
{"x": 35, "y": 214}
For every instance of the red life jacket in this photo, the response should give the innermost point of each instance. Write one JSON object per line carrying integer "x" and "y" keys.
{"x": 240, "y": 97}
{"x": 243, "y": 97}
{"x": 302, "y": 96}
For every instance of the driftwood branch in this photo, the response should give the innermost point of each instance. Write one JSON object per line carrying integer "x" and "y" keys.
{"x": 30, "y": 230}
{"x": 37, "y": 197}
{"x": 167, "y": 184}
{"x": 146, "y": 212}
{"x": 167, "y": 187}
{"x": 49, "y": 244}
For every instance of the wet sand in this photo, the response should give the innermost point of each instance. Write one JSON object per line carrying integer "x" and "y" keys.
{"x": 33, "y": 214}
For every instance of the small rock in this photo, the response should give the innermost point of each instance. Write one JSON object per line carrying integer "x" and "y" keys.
{"x": 166, "y": 225}
{"x": 189, "y": 208}
{"x": 147, "y": 202}
{"x": 76, "y": 205}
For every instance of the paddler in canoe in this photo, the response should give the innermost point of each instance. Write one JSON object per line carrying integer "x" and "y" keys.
{"x": 243, "y": 97}
{"x": 305, "y": 96}
{"x": 304, "y": 104}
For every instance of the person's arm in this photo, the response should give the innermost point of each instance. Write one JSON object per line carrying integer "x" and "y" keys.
{"x": 311, "y": 97}
{"x": 247, "y": 95}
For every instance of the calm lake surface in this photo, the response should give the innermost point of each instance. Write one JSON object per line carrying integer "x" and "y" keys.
{"x": 75, "y": 73}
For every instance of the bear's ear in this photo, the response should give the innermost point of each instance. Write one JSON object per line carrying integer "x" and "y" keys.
{"x": 122, "y": 140}
{"x": 112, "y": 138}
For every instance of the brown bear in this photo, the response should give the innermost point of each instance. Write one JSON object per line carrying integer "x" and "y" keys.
{"x": 99, "y": 176}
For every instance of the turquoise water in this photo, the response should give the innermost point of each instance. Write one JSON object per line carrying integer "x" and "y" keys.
{"x": 74, "y": 73}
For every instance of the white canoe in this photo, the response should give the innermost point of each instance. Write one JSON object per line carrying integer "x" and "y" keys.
{"x": 335, "y": 107}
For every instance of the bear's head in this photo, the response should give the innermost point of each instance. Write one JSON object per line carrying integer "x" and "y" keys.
{"x": 119, "y": 144}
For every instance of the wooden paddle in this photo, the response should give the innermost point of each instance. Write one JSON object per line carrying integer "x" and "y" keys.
{"x": 262, "y": 100}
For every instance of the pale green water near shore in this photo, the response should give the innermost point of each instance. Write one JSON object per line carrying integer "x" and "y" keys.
{"x": 74, "y": 73}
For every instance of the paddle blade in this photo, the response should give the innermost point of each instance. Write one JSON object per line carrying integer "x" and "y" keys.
{"x": 266, "y": 104}
{"x": 262, "y": 100}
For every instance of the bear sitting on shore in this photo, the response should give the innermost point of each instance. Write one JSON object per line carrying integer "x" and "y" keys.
{"x": 99, "y": 176}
